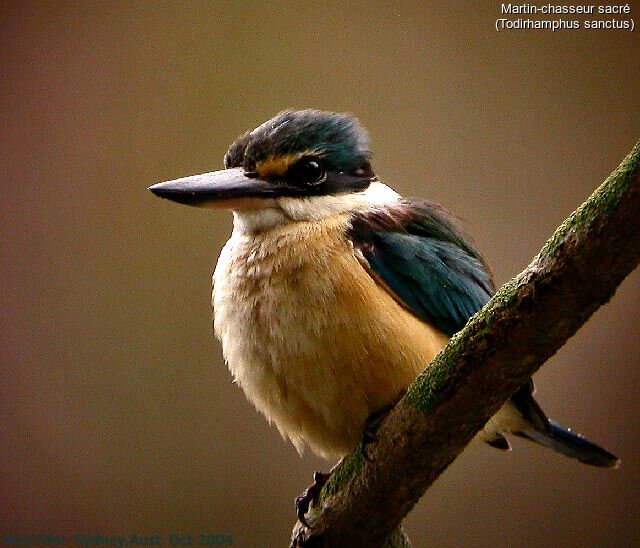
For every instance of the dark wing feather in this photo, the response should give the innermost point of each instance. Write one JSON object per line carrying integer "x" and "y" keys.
{"x": 422, "y": 256}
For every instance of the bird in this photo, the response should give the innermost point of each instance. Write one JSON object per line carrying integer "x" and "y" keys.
{"x": 334, "y": 292}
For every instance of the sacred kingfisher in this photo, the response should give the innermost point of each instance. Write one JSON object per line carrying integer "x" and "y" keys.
{"x": 334, "y": 292}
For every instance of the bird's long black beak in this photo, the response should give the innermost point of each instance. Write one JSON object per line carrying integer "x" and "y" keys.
{"x": 230, "y": 188}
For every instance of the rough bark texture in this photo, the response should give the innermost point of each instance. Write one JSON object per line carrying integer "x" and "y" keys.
{"x": 525, "y": 323}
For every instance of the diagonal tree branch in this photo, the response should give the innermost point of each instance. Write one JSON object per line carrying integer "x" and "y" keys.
{"x": 524, "y": 324}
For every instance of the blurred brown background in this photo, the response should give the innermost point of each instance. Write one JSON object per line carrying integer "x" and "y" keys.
{"x": 117, "y": 413}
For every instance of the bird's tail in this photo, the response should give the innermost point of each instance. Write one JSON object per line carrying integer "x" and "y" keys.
{"x": 572, "y": 445}
{"x": 523, "y": 417}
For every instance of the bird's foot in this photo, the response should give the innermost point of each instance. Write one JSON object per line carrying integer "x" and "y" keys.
{"x": 310, "y": 495}
{"x": 372, "y": 424}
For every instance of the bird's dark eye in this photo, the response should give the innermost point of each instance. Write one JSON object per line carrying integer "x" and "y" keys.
{"x": 306, "y": 172}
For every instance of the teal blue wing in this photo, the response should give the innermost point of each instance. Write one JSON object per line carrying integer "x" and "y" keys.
{"x": 420, "y": 254}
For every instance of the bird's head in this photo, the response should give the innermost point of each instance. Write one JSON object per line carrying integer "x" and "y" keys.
{"x": 303, "y": 164}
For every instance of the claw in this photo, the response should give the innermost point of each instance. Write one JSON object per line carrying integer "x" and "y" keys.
{"x": 311, "y": 493}
{"x": 371, "y": 426}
